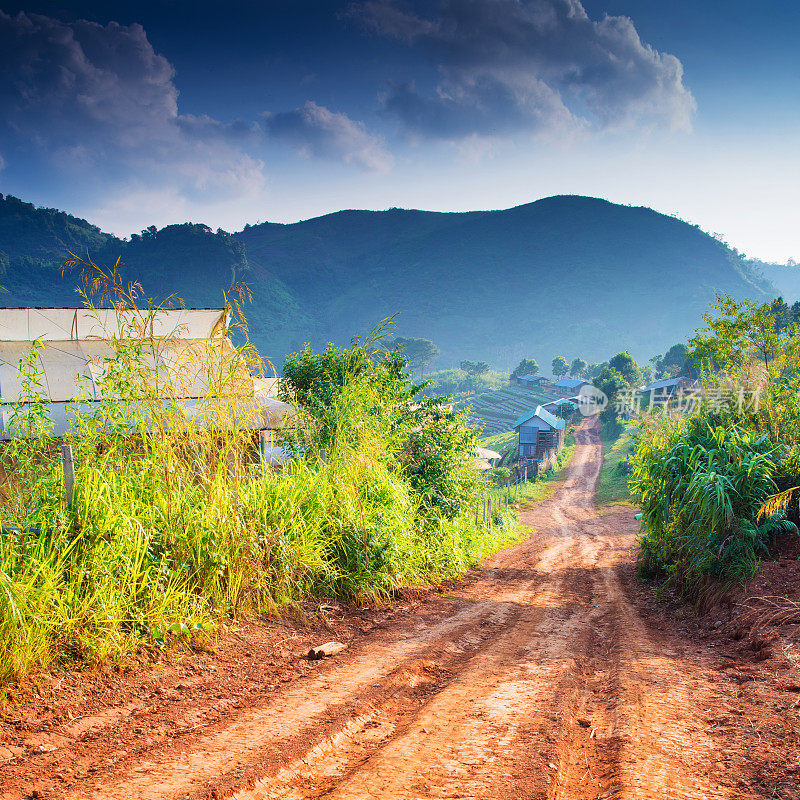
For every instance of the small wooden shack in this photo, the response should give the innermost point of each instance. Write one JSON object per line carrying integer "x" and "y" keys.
{"x": 541, "y": 435}
{"x": 533, "y": 381}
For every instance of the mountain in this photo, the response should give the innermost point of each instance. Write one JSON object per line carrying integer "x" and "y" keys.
{"x": 568, "y": 275}
{"x": 784, "y": 277}
{"x": 189, "y": 261}
{"x": 565, "y": 275}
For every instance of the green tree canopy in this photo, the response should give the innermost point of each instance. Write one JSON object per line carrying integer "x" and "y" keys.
{"x": 528, "y": 366}
{"x": 419, "y": 352}
{"x": 475, "y": 367}
{"x": 624, "y": 364}
{"x": 560, "y": 366}
{"x": 577, "y": 368}
{"x": 674, "y": 362}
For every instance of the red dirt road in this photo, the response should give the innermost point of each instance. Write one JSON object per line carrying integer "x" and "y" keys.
{"x": 548, "y": 673}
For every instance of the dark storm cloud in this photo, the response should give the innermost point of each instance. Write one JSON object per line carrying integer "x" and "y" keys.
{"x": 528, "y": 64}
{"x": 314, "y": 130}
{"x": 99, "y": 99}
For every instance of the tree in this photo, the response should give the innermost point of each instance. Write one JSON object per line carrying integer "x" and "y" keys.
{"x": 577, "y": 368}
{"x": 419, "y": 352}
{"x": 594, "y": 369}
{"x": 560, "y": 366}
{"x": 744, "y": 349}
{"x": 474, "y": 367}
{"x": 611, "y": 383}
{"x": 527, "y": 366}
{"x": 782, "y": 313}
{"x": 624, "y": 364}
{"x": 674, "y": 362}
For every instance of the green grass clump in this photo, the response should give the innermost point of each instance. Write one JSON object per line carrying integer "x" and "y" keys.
{"x": 504, "y": 443}
{"x": 701, "y": 484}
{"x": 174, "y": 520}
{"x": 612, "y": 485}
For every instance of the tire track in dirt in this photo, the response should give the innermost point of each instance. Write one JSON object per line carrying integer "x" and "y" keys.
{"x": 544, "y": 683}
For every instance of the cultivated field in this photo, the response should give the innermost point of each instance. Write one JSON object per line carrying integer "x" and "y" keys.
{"x": 497, "y": 410}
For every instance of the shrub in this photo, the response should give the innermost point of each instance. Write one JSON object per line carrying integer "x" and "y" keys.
{"x": 700, "y": 486}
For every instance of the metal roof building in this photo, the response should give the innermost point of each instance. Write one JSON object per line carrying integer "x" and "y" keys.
{"x": 188, "y": 359}
{"x": 570, "y": 383}
{"x": 668, "y": 384}
{"x": 541, "y": 435}
{"x": 538, "y": 416}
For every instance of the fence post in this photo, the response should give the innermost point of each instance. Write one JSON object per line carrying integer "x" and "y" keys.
{"x": 69, "y": 474}
{"x": 323, "y": 455}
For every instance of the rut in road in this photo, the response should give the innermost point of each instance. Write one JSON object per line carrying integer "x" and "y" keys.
{"x": 544, "y": 683}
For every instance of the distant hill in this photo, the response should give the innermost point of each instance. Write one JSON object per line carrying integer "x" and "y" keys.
{"x": 565, "y": 275}
{"x": 784, "y": 277}
{"x": 189, "y": 261}
{"x": 572, "y": 276}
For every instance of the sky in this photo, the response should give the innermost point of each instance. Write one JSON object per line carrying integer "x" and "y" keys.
{"x": 140, "y": 113}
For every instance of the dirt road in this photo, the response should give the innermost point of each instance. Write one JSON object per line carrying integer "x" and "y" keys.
{"x": 541, "y": 676}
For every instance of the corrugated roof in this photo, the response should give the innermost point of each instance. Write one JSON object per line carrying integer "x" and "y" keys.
{"x": 187, "y": 360}
{"x": 562, "y": 401}
{"x": 571, "y": 383}
{"x": 543, "y": 414}
{"x": 666, "y": 383}
{"x": 530, "y": 377}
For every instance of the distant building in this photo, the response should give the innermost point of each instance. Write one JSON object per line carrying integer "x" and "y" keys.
{"x": 680, "y": 394}
{"x": 556, "y": 406}
{"x": 541, "y": 434}
{"x": 533, "y": 381}
{"x": 571, "y": 386}
{"x": 669, "y": 386}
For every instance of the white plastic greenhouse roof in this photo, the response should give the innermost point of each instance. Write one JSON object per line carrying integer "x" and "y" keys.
{"x": 73, "y": 324}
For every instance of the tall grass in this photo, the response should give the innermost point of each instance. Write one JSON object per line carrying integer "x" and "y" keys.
{"x": 701, "y": 485}
{"x": 174, "y": 519}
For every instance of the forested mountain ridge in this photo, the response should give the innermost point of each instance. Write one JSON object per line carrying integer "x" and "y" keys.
{"x": 566, "y": 274}
{"x": 189, "y": 261}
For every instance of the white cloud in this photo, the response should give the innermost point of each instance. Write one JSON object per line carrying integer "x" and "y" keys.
{"x": 314, "y": 130}
{"x": 99, "y": 106}
{"x": 529, "y": 65}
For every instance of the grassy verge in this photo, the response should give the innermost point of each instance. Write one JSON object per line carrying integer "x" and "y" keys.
{"x": 545, "y": 485}
{"x": 173, "y": 520}
{"x": 503, "y": 443}
{"x": 612, "y": 486}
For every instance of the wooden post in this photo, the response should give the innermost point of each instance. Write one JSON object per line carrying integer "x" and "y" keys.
{"x": 69, "y": 474}
{"x": 323, "y": 455}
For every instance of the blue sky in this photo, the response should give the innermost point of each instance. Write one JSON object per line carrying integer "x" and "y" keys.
{"x": 150, "y": 113}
